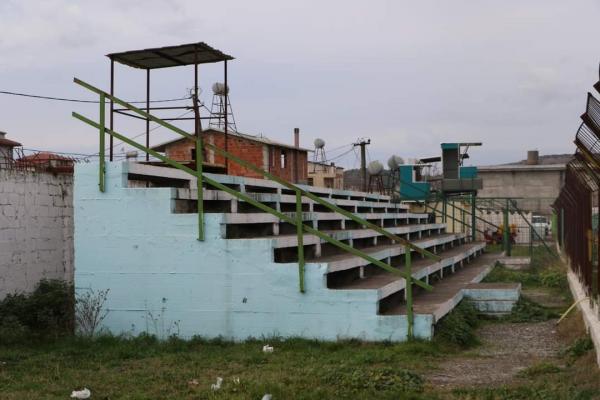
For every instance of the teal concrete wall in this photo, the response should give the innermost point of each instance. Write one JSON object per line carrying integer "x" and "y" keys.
{"x": 163, "y": 281}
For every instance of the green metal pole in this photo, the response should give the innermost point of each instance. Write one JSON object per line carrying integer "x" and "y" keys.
{"x": 453, "y": 216}
{"x": 409, "y": 300}
{"x": 473, "y": 217}
{"x": 199, "y": 184}
{"x": 300, "y": 233}
{"x": 101, "y": 167}
{"x": 444, "y": 210}
{"x": 562, "y": 227}
{"x": 505, "y": 236}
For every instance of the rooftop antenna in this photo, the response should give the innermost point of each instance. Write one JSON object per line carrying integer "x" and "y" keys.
{"x": 221, "y": 113}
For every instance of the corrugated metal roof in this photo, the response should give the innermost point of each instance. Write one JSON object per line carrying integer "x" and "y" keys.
{"x": 170, "y": 56}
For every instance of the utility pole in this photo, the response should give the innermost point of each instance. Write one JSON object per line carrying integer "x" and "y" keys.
{"x": 363, "y": 162}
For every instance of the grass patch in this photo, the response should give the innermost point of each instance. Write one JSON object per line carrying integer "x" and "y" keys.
{"x": 579, "y": 347}
{"x": 529, "y": 311}
{"x": 458, "y": 326}
{"x": 114, "y": 367}
{"x": 543, "y": 368}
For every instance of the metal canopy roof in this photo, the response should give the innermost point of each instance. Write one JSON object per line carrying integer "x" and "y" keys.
{"x": 170, "y": 56}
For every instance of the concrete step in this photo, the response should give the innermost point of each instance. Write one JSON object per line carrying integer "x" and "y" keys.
{"x": 346, "y": 261}
{"x": 388, "y": 284}
{"x": 248, "y": 225}
{"x": 449, "y": 291}
{"x": 317, "y": 250}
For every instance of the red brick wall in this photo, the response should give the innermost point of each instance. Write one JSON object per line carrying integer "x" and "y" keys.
{"x": 249, "y": 151}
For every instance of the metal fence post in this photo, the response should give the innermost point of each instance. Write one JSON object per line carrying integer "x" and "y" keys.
{"x": 101, "y": 167}
{"x": 506, "y": 233}
{"x": 409, "y": 300}
{"x": 300, "y": 233}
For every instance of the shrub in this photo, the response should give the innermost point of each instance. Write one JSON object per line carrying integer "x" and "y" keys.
{"x": 90, "y": 312}
{"x": 47, "y": 311}
{"x": 458, "y": 327}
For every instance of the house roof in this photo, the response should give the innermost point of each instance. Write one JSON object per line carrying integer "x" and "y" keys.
{"x": 260, "y": 139}
{"x": 43, "y": 156}
{"x": 8, "y": 143}
{"x": 170, "y": 56}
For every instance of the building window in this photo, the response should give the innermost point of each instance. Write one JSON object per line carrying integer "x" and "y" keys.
{"x": 328, "y": 182}
{"x": 310, "y": 182}
{"x": 283, "y": 159}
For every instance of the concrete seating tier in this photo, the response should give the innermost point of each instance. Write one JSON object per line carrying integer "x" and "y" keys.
{"x": 257, "y": 266}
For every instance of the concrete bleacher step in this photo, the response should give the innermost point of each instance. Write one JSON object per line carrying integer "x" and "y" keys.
{"x": 449, "y": 291}
{"x": 344, "y": 275}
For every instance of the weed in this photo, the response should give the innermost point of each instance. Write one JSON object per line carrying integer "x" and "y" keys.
{"x": 89, "y": 311}
{"x": 542, "y": 368}
{"x": 529, "y": 311}
{"x": 579, "y": 347}
{"x": 458, "y": 327}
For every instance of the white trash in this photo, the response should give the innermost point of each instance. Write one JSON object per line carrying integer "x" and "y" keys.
{"x": 267, "y": 349}
{"x": 267, "y": 397}
{"x": 217, "y": 386}
{"x": 81, "y": 394}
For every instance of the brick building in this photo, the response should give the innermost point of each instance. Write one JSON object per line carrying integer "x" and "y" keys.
{"x": 286, "y": 161}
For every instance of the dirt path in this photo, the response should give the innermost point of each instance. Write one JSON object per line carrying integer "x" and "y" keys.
{"x": 506, "y": 349}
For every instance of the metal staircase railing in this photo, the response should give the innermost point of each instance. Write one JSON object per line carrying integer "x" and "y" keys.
{"x": 297, "y": 221}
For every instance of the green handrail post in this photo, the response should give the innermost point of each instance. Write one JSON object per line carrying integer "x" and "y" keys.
{"x": 506, "y": 232}
{"x": 300, "y": 233}
{"x": 101, "y": 168}
{"x": 409, "y": 300}
{"x": 473, "y": 217}
{"x": 562, "y": 228}
{"x": 199, "y": 184}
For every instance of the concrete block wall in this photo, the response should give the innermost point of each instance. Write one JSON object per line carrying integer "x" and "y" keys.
{"x": 164, "y": 281}
{"x": 36, "y": 229}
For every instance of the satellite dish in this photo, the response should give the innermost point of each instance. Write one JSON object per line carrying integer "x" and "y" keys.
{"x": 375, "y": 168}
{"x": 319, "y": 143}
{"x": 218, "y": 88}
{"x": 394, "y": 162}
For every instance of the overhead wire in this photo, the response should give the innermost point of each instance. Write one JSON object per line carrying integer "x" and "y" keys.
{"x": 41, "y": 97}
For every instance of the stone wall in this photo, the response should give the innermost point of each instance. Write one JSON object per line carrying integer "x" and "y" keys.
{"x": 36, "y": 229}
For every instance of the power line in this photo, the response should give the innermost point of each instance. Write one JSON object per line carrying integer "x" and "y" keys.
{"x": 35, "y": 96}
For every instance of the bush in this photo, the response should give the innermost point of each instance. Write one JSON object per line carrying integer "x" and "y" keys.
{"x": 48, "y": 311}
{"x": 458, "y": 327}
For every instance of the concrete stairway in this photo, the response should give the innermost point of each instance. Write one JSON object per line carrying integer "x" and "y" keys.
{"x": 243, "y": 280}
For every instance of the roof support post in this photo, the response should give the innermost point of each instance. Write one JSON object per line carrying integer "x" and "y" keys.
{"x": 148, "y": 108}
{"x": 226, "y": 117}
{"x": 112, "y": 106}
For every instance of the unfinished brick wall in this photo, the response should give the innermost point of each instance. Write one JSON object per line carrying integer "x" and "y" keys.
{"x": 36, "y": 229}
{"x": 287, "y": 163}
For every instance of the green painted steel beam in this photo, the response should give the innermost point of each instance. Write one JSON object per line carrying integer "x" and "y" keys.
{"x": 258, "y": 204}
{"x": 266, "y": 174}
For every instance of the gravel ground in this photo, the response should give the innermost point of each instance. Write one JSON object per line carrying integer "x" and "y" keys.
{"x": 506, "y": 349}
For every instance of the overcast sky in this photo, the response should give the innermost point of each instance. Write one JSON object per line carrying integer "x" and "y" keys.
{"x": 406, "y": 74}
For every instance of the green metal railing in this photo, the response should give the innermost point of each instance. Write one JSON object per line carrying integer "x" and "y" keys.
{"x": 297, "y": 221}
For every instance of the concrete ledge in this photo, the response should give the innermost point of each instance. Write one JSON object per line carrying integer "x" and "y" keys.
{"x": 515, "y": 263}
{"x": 588, "y": 310}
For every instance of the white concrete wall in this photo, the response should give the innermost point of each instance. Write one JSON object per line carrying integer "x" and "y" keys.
{"x": 36, "y": 229}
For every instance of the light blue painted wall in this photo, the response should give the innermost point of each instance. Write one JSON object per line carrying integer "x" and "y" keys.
{"x": 163, "y": 281}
